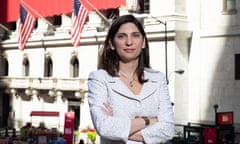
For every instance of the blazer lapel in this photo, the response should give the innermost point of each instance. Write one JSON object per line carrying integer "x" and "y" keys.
{"x": 147, "y": 89}
{"x": 119, "y": 87}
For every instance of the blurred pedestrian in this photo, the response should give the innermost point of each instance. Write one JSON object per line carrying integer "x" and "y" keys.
{"x": 61, "y": 139}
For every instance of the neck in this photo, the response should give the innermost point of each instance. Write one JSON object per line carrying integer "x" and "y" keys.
{"x": 128, "y": 68}
{"x": 129, "y": 75}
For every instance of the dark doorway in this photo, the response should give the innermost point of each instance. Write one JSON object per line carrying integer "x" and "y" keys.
{"x": 75, "y": 107}
{"x": 4, "y": 109}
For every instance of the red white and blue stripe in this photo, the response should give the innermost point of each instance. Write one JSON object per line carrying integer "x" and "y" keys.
{"x": 26, "y": 25}
{"x": 79, "y": 16}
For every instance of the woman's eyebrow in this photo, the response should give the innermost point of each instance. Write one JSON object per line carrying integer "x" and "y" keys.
{"x": 136, "y": 32}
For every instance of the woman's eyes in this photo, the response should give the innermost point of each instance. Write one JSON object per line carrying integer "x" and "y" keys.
{"x": 121, "y": 36}
{"x": 136, "y": 34}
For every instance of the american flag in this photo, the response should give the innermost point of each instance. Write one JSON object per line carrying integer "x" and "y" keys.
{"x": 26, "y": 24}
{"x": 79, "y": 16}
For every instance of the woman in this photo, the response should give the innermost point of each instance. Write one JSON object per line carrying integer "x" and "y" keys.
{"x": 129, "y": 102}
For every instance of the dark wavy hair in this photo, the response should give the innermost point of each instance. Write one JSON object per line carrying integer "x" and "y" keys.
{"x": 109, "y": 59}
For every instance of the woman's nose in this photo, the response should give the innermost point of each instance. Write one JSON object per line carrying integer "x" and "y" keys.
{"x": 129, "y": 41}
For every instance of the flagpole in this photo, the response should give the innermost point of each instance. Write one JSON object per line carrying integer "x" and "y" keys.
{"x": 98, "y": 12}
{"x": 4, "y": 27}
{"x": 38, "y": 14}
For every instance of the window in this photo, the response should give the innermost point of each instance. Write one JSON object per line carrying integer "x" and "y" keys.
{"x": 110, "y": 13}
{"x": 48, "y": 67}
{"x": 138, "y": 6}
{"x": 229, "y": 7}
{"x": 237, "y": 66}
{"x": 143, "y": 6}
{"x": 7, "y": 28}
{"x": 25, "y": 67}
{"x": 56, "y": 20}
{"x": 74, "y": 67}
{"x": 5, "y": 67}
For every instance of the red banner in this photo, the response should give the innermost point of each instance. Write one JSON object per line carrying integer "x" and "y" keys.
{"x": 69, "y": 127}
{"x": 102, "y": 4}
{"x": 45, "y": 113}
{"x": 9, "y": 9}
{"x": 44, "y": 8}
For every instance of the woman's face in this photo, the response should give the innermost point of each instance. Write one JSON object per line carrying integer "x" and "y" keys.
{"x": 128, "y": 42}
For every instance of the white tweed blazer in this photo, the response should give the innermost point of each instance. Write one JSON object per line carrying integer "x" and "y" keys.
{"x": 153, "y": 100}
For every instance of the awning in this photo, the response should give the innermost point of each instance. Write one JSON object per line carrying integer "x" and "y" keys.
{"x": 9, "y": 9}
{"x": 44, "y": 113}
{"x": 44, "y": 8}
{"x": 102, "y": 4}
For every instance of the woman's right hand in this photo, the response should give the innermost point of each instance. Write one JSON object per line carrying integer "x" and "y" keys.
{"x": 107, "y": 109}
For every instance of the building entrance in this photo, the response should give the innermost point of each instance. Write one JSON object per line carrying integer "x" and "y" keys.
{"x": 74, "y": 106}
{"x": 4, "y": 109}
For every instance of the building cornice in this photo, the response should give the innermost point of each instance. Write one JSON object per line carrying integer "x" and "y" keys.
{"x": 65, "y": 41}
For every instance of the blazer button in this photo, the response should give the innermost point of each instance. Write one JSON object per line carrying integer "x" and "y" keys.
{"x": 138, "y": 104}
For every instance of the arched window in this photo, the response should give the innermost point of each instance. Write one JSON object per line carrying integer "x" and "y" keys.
{"x": 26, "y": 67}
{"x": 74, "y": 67}
{"x": 48, "y": 72}
{"x": 5, "y": 67}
